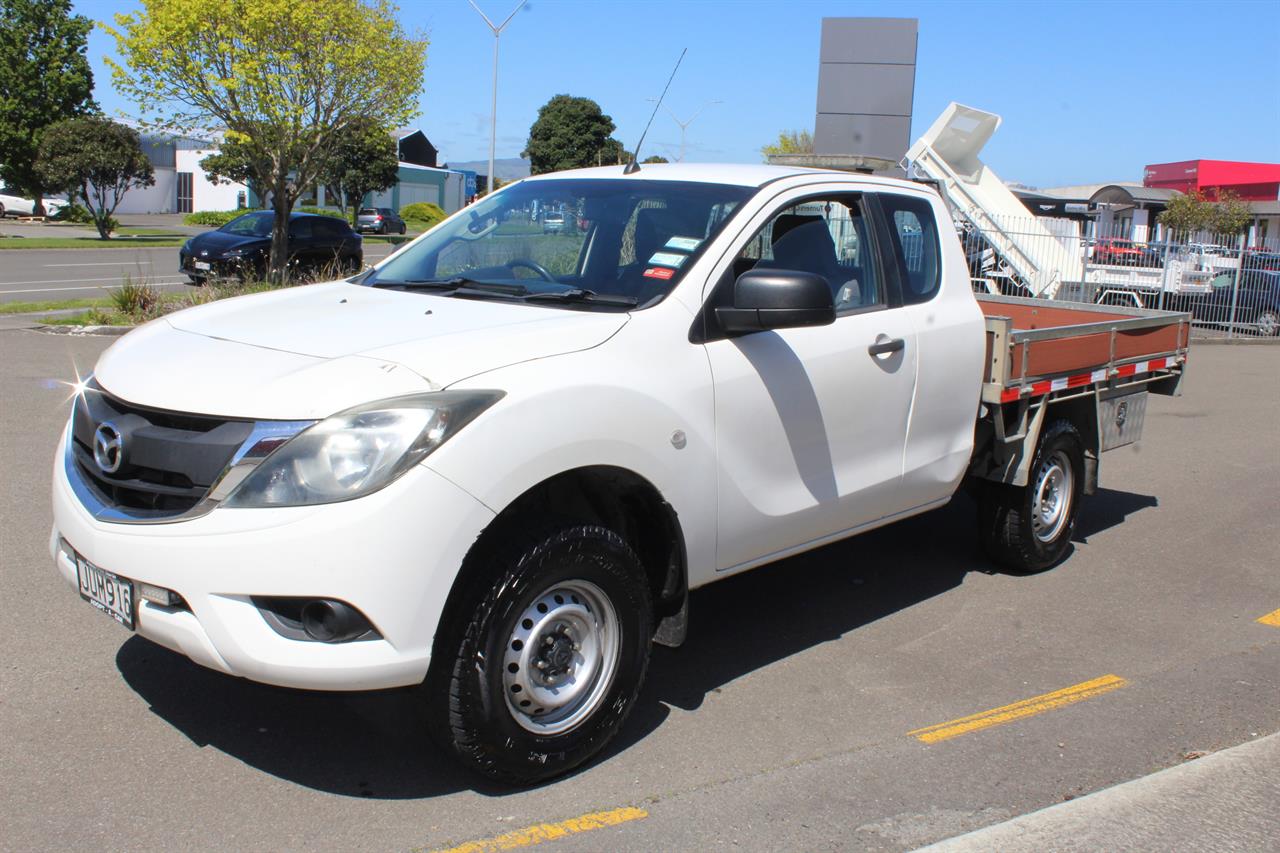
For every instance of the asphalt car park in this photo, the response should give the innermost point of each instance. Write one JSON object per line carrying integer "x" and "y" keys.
{"x": 880, "y": 693}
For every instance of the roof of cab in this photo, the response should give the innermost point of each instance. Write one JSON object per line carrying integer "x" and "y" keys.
{"x": 740, "y": 174}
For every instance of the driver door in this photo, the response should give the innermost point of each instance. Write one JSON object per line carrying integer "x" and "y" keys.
{"x": 811, "y": 423}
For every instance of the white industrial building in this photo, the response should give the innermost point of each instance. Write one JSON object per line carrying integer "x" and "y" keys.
{"x": 182, "y": 186}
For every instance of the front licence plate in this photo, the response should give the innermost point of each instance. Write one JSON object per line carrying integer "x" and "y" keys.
{"x": 111, "y": 594}
{"x": 201, "y": 265}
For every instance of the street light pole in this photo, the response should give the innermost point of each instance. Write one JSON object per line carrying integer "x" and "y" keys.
{"x": 493, "y": 124}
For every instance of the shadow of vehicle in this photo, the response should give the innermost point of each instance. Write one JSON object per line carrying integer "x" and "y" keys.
{"x": 374, "y": 744}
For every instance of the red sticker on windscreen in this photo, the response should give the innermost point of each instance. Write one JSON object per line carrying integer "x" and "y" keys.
{"x": 659, "y": 272}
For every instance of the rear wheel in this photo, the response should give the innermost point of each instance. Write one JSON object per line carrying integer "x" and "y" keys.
{"x": 402, "y": 229}
{"x": 1029, "y": 528}
{"x": 1269, "y": 322}
{"x": 546, "y": 669}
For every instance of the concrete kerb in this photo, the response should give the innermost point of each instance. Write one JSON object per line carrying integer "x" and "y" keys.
{"x": 1223, "y": 801}
{"x": 105, "y": 331}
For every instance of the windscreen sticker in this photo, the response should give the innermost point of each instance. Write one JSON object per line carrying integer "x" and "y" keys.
{"x": 684, "y": 244}
{"x": 659, "y": 272}
{"x": 667, "y": 259}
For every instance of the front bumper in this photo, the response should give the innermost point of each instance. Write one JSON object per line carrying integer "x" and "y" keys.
{"x": 393, "y": 555}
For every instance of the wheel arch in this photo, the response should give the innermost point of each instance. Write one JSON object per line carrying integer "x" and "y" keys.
{"x": 614, "y": 497}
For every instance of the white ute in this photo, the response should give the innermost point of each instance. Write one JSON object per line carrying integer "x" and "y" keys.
{"x": 495, "y": 464}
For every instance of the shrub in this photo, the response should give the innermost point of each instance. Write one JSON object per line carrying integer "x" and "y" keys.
{"x": 73, "y": 213}
{"x": 322, "y": 211}
{"x": 212, "y": 218}
{"x": 136, "y": 299}
{"x": 424, "y": 212}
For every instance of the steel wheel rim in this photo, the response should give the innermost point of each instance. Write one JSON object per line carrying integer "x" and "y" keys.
{"x": 561, "y": 657}
{"x": 1054, "y": 490}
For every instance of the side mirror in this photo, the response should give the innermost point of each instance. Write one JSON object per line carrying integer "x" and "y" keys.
{"x": 777, "y": 299}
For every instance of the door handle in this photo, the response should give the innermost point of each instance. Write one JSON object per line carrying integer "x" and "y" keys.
{"x": 885, "y": 346}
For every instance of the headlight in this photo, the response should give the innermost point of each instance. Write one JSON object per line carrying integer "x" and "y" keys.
{"x": 360, "y": 450}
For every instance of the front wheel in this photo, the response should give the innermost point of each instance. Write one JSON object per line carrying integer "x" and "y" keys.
{"x": 545, "y": 670}
{"x": 1029, "y": 528}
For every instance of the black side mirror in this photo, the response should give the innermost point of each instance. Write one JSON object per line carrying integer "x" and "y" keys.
{"x": 777, "y": 299}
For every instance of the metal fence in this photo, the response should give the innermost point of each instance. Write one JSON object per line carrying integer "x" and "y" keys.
{"x": 1229, "y": 288}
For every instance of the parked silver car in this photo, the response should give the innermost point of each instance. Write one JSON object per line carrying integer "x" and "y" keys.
{"x": 379, "y": 220}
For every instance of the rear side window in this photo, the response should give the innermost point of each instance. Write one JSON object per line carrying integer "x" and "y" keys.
{"x": 300, "y": 228}
{"x": 330, "y": 228}
{"x": 914, "y": 234}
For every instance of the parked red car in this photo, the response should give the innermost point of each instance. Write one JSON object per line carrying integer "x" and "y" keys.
{"x": 1109, "y": 250}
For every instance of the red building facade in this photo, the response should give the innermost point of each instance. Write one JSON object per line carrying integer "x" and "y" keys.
{"x": 1249, "y": 181}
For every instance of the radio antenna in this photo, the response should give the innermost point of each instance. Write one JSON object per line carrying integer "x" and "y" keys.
{"x": 634, "y": 166}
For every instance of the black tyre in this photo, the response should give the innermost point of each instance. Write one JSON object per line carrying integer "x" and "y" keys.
{"x": 1268, "y": 322}
{"x": 546, "y": 664}
{"x": 402, "y": 229}
{"x": 1029, "y": 528}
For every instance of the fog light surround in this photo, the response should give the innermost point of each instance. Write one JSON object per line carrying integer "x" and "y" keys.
{"x": 315, "y": 620}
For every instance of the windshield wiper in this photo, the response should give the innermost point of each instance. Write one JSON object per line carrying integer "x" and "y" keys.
{"x": 581, "y": 294}
{"x": 457, "y": 284}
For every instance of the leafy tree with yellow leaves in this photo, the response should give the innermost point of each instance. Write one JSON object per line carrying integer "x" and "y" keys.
{"x": 279, "y": 79}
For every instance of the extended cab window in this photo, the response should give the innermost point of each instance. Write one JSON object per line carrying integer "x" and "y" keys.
{"x": 828, "y": 236}
{"x": 915, "y": 245}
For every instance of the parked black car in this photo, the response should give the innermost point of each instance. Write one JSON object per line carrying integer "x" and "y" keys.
{"x": 1257, "y": 304}
{"x": 242, "y": 248}
{"x": 380, "y": 220}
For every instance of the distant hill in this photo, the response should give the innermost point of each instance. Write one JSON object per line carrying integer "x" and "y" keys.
{"x": 507, "y": 168}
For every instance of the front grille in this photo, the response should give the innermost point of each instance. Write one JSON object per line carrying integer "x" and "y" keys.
{"x": 169, "y": 460}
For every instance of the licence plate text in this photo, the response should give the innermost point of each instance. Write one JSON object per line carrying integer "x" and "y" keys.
{"x": 111, "y": 594}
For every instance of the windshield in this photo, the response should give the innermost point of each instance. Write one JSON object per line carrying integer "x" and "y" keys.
{"x": 249, "y": 225}
{"x": 626, "y": 239}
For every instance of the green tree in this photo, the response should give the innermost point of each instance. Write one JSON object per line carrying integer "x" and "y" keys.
{"x": 1230, "y": 215}
{"x": 283, "y": 80}
{"x": 44, "y": 77}
{"x": 96, "y": 158}
{"x": 790, "y": 142}
{"x": 655, "y": 158}
{"x": 613, "y": 153}
{"x": 1186, "y": 214}
{"x": 570, "y": 133}
{"x": 363, "y": 160}
{"x": 234, "y": 164}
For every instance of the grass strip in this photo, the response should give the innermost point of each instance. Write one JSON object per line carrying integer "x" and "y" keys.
{"x": 143, "y": 242}
{"x": 53, "y": 305}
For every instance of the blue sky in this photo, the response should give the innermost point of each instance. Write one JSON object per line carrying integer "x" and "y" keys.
{"x": 1089, "y": 91}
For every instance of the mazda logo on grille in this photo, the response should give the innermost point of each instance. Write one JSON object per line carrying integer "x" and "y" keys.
{"x": 108, "y": 447}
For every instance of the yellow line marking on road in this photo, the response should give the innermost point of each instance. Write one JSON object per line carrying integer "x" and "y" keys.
{"x": 1272, "y": 618}
{"x": 541, "y": 832}
{"x": 1018, "y": 710}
